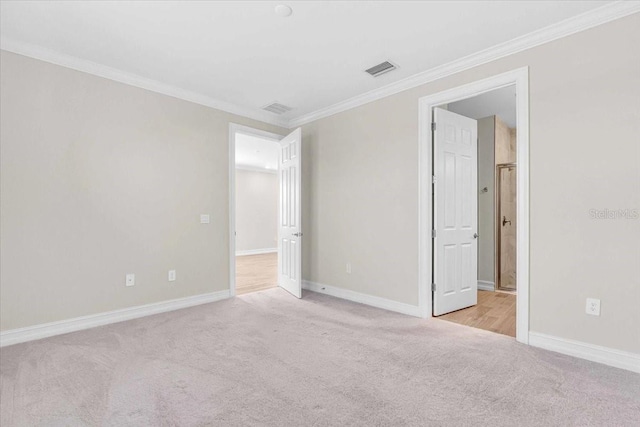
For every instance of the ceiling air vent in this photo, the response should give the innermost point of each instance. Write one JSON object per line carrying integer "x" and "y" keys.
{"x": 381, "y": 68}
{"x": 277, "y": 108}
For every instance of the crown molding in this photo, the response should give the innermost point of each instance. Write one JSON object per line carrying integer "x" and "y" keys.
{"x": 584, "y": 21}
{"x": 85, "y": 66}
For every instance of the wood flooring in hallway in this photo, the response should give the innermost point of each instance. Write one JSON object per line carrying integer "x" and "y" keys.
{"x": 495, "y": 312}
{"x": 256, "y": 272}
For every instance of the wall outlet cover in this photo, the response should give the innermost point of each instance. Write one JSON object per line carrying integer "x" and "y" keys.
{"x": 205, "y": 219}
{"x": 130, "y": 279}
{"x": 593, "y": 307}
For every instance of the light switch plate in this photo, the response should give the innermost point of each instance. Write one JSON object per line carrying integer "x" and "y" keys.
{"x": 204, "y": 219}
{"x": 172, "y": 275}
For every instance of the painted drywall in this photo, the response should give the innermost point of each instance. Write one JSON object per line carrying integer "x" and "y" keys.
{"x": 257, "y": 195}
{"x": 361, "y": 183}
{"x": 100, "y": 179}
{"x": 486, "y": 201}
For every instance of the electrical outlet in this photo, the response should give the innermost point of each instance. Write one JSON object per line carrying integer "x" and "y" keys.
{"x": 205, "y": 219}
{"x": 130, "y": 279}
{"x": 348, "y": 268}
{"x": 172, "y": 275}
{"x": 593, "y": 307}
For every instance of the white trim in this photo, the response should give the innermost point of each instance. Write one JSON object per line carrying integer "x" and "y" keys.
{"x": 365, "y": 299}
{"x": 520, "y": 78}
{"x": 85, "y": 66}
{"x": 584, "y": 21}
{"x": 256, "y": 169}
{"x": 256, "y": 251}
{"x": 595, "y": 353}
{"x": 485, "y": 285}
{"x": 259, "y": 133}
{"x": 233, "y": 130}
{"x": 598, "y": 16}
{"x": 36, "y": 332}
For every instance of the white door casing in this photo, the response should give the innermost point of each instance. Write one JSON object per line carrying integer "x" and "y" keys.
{"x": 290, "y": 215}
{"x": 455, "y": 245}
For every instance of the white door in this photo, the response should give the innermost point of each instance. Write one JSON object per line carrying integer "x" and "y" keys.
{"x": 455, "y": 211}
{"x": 289, "y": 227}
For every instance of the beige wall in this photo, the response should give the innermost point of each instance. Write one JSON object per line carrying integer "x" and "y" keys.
{"x": 486, "y": 201}
{"x": 257, "y": 196}
{"x": 361, "y": 182}
{"x": 100, "y": 179}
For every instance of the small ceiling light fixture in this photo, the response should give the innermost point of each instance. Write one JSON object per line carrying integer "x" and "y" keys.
{"x": 283, "y": 10}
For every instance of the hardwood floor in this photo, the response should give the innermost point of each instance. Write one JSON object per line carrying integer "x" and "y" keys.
{"x": 495, "y": 312}
{"x": 256, "y": 272}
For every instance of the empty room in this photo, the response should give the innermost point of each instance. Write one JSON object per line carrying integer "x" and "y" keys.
{"x": 319, "y": 213}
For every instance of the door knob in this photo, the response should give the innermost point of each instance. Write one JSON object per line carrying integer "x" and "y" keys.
{"x": 505, "y": 221}
{"x": 475, "y": 235}
{"x": 297, "y": 234}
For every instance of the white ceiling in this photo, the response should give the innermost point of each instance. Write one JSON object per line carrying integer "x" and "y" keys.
{"x": 244, "y": 56}
{"x": 256, "y": 153}
{"x": 499, "y": 102}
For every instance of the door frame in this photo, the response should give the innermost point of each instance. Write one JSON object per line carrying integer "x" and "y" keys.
{"x": 235, "y": 129}
{"x": 519, "y": 78}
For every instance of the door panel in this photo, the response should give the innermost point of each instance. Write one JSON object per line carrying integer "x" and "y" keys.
{"x": 507, "y": 248}
{"x": 455, "y": 212}
{"x": 290, "y": 230}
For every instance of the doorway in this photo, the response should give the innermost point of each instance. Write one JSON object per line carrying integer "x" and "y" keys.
{"x": 473, "y": 138}
{"x": 256, "y": 215}
{"x": 265, "y": 229}
{"x": 506, "y": 240}
{"x": 452, "y": 260}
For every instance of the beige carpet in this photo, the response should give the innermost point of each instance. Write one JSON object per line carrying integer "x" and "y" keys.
{"x": 269, "y": 359}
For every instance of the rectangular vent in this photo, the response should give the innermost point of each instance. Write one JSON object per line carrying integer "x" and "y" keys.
{"x": 277, "y": 108}
{"x": 382, "y": 68}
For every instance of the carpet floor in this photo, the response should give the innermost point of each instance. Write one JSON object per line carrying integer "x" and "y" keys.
{"x": 267, "y": 359}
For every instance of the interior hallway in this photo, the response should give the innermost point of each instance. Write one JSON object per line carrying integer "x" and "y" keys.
{"x": 256, "y": 272}
{"x": 495, "y": 312}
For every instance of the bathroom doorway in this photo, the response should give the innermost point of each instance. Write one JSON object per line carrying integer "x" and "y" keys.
{"x": 506, "y": 243}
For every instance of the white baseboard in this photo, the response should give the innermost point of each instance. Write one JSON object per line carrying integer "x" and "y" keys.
{"x": 595, "y": 353}
{"x": 387, "y": 304}
{"x": 485, "y": 285}
{"x": 257, "y": 251}
{"x": 36, "y": 332}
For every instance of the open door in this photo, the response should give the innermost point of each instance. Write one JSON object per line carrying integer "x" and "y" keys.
{"x": 289, "y": 224}
{"x": 455, "y": 215}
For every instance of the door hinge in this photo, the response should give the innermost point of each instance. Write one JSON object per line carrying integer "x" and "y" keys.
{"x": 433, "y": 234}
{"x": 433, "y": 287}
{"x": 433, "y": 126}
{"x": 433, "y": 179}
